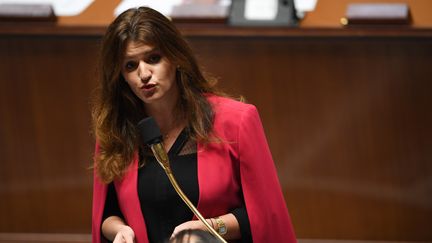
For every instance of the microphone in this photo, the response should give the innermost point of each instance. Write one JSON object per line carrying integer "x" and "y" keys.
{"x": 151, "y": 135}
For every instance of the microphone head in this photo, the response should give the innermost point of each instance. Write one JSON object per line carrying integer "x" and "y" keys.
{"x": 149, "y": 131}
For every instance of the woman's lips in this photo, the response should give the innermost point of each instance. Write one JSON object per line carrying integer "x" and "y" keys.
{"x": 149, "y": 87}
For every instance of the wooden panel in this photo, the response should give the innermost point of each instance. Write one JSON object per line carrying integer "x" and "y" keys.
{"x": 45, "y": 144}
{"x": 347, "y": 121}
{"x": 46, "y": 238}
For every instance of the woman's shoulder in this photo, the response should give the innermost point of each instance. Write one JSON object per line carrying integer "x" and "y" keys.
{"x": 228, "y": 105}
{"x": 229, "y": 111}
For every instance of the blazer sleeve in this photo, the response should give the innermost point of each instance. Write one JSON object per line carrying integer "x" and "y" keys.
{"x": 265, "y": 204}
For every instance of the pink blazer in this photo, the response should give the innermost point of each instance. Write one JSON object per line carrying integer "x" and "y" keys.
{"x": 239, "y": 167}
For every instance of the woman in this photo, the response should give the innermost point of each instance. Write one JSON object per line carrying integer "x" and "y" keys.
{"x": 216, "y": 145}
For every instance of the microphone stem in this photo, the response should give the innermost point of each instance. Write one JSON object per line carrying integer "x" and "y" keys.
{"x": 162, "y": 158}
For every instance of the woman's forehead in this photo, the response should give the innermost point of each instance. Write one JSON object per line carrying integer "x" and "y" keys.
{"x": 137, "y": 47}
{"x": 133, "y": 45}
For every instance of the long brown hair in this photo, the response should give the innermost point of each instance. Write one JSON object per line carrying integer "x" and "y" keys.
{"x": 117, "y": 110}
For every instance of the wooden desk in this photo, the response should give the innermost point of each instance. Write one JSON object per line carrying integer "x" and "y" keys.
{"x": 346, "y": 112}
{"x": 323, "y": 21}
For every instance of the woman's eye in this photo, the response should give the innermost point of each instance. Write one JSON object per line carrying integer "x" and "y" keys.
{"x": 130, "y": 66}
{"x": 155, "y": 58}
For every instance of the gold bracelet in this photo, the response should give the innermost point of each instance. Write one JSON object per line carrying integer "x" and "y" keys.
{"x": 221, "y": 227}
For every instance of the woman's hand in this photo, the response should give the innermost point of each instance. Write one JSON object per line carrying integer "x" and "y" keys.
{"x": 116, "y": 230}
{"x": 193, "y": 224}
{"x": 230, "y": 221}
{"x": 124, "y": 235}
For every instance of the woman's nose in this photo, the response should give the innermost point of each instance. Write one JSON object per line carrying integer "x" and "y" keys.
{"x": 144, "y": 72}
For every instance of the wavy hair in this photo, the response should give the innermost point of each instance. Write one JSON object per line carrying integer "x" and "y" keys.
{"x": 116, "y": 109}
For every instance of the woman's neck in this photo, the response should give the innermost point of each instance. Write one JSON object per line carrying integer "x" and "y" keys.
{"x": 169, "y": 120}
{"x": 166, "y": 114}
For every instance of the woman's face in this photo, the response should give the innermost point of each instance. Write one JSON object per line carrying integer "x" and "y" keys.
{"x": 150, "y": 75}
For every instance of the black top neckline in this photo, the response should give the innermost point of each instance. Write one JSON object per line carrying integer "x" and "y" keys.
{"x": 179, "y": 143}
